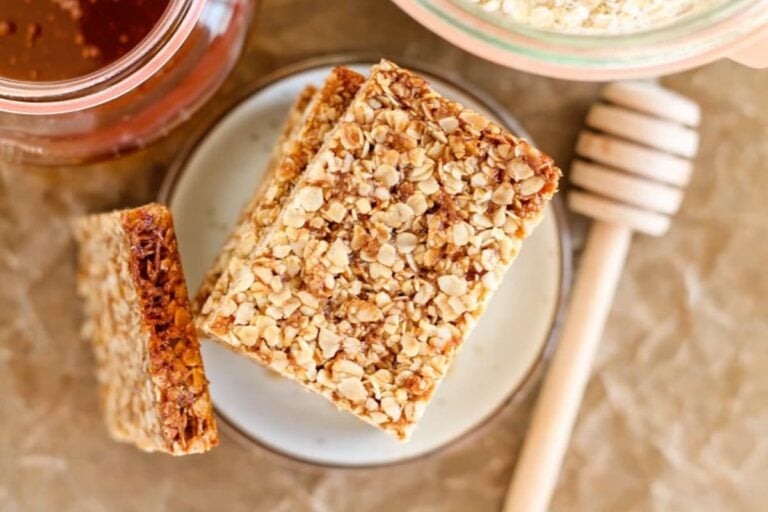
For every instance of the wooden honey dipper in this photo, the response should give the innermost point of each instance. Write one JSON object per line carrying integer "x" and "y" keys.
{"x": 635, "y": 160}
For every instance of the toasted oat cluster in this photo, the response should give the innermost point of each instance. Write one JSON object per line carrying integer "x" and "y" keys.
{"x": 311, "y": 118}
{"x": 385, "y": 252}
{"x": 153, "y": 388}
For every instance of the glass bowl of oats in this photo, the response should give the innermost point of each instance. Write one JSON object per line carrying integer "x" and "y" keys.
{"x": 601, "y": 39}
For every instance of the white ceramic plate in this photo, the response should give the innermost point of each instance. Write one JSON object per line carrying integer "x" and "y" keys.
{"x": 206, "y": 194}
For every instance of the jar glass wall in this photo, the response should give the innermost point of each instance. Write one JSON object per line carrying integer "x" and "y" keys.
{"x": 129, "y": 104}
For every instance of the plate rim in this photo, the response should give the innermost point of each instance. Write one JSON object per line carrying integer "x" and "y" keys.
{"x": 519, "y": 392}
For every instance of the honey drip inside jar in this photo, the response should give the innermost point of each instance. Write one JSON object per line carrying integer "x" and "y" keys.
{"x": 49, "y": 40}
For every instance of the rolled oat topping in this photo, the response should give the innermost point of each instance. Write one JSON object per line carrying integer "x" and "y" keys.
{"x": 285, "y": 144}
{"x": 298, "y": 146}
{"x": 386, "y": 251}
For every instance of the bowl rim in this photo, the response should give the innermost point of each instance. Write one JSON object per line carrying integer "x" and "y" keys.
{"x": 526, "y": 384}
{"x": 477, "y": 35}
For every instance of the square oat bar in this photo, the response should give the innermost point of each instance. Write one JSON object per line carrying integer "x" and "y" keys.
{"x": 387, "y": 251}
{"x": 154, "y": 393}
{"x": 295, "y": 149}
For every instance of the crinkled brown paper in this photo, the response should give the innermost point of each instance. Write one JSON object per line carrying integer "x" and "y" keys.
{"x": 676, "y": 415}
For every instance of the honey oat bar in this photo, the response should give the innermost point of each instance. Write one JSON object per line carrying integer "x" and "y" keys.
{"x": 153, "y": 388}
{"x": 387, "y": 251}
{"x": 285, "y": 142}
{"x": 322, "y": 113}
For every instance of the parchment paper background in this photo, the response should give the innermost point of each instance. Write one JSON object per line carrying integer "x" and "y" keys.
{"x": 675, "y": 418}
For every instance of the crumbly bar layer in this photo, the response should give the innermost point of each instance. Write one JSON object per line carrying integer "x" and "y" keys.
{"x": 153, "y": 387}
{"x": 283, "y": 148}
{"x": 387, "y": 251}
{"x": 322, "y": 113}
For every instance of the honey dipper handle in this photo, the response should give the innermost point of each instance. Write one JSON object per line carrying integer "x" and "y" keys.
{"x": 558, "y": 404}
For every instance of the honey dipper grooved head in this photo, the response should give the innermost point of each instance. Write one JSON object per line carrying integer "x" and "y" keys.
{"x": 634, "y": 156}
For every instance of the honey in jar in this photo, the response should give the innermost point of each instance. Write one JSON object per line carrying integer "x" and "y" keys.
{"x": 50, "y": 40}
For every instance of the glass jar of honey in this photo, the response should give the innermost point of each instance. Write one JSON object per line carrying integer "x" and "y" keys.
{"x": 83, "y": 80}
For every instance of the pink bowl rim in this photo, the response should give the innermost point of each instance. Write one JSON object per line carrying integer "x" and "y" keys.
{"x": 540, "y": 67}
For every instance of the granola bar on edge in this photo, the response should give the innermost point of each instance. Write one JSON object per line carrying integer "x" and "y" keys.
{"x": 154, "y": 392}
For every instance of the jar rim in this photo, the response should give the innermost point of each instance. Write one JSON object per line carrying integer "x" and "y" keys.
{"x": 692, "y": 40}
{"x": 111, "y": 81}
